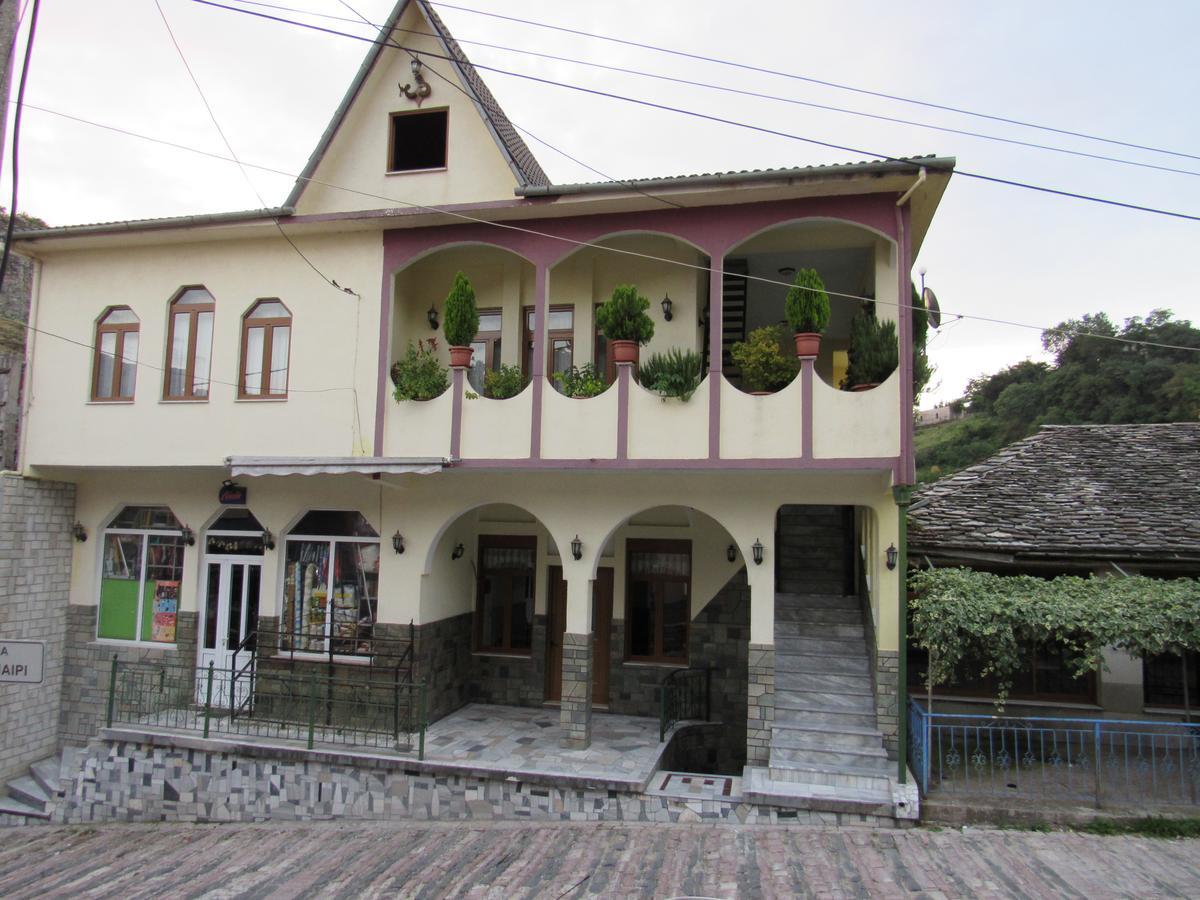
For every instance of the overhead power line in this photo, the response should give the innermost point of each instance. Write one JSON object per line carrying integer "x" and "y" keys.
{"x": 16, "y": 142}
{"x": 741, "y": 92}
{"x": 916, "y": 165}
{"x": 508, "y": 226}
{"x": 1008, "y": 120}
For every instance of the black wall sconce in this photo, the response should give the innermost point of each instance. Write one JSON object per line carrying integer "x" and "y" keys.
{"x": 892, "y": 554}
{"x": 398, "y": 541}
{"x": 757, "y": 548}
{"x": 432, "y": 317}
{"x": 79, "y": 532}
{"x": 666, "y": 306}
{"x": 422, "y": 90}
{"x": 268, "y": 540}
{"x": 458, "y": 551}
{"x": 577, "y": 548}
{"x": 189, "y": 536}
{"x": 731, "y": 553}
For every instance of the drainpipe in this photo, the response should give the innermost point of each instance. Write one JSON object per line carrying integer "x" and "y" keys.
{"x": 904, "y": 198}
{"x": 903, "y": 495}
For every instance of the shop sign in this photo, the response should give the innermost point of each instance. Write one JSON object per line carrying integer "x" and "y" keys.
{"x": 232, "y": 494}
{"x": 21, "y": 662}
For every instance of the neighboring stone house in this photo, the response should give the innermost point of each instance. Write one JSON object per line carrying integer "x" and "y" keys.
{"x": 1075, "y": 499}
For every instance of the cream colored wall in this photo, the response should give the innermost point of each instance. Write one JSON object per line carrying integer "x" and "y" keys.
{"x": 476, "y": 170}
{"x": 886, "y": 282}
{"x": 856, "y": 424}
{"x": 496, "y": 429}
{"x": 767, "y": 427}
{"x": 418, "y": 427}
{"x": 668, "y": 428}
{"x": 579, "y": 429}
{"x": 329, "y": 409}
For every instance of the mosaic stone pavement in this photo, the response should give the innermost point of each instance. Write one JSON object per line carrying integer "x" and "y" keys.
{"x": 698, "y": 787}
{"x": 516, "y": 861}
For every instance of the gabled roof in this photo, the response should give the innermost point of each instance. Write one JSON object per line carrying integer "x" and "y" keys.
{"x": 1099, "y": 491}
{"x": 520, "y": 159}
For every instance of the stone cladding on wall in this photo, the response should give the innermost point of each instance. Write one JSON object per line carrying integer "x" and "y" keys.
{"x": 575, "y": 710}
{"x": 35, "y": 579}
{"x": 760, "y": 706}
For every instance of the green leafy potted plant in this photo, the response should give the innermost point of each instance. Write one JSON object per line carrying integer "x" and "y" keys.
{"x": 505, "y": 382}
{"x": 765, "y": 366}
{"x": 461, "y": 320}
{"x": 623, "y": 320}
{"x": 419, "y": 375}
{"x": 874, "y": 351}
{"x": 807, "y": 309}
{"x": 580, "y": 382}
{"x": 675, "y": 373}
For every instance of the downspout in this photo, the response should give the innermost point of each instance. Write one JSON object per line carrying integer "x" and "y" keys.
{"x": 903, "y": 496}
{"x": 904, "y": 198}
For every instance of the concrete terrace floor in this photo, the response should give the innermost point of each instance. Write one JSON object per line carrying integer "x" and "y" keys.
{"x": 511, "y": 860}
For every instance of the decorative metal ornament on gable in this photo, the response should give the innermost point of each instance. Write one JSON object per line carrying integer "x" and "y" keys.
{"x": 422, "y": 90}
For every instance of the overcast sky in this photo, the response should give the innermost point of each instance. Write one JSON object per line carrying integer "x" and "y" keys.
{"x": 1114, "y": 69}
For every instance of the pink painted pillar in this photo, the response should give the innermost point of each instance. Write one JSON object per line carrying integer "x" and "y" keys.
{"x": 908, "y": 469}
{"x": 624, "y": 375}
{"x": 716, "y": 292}
{"x": 537, "y": 366}
{"x": 457, "y": 375}
{"x": 806, "y": 409}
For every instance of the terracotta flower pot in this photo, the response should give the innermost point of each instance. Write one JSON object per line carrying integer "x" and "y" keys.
{"x": 808, "y": 343}
{"x": 460, "y": 357}
{"x": 624, "y": 351}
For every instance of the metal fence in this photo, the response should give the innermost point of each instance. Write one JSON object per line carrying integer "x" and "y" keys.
{"x": 378, "y": 709}
{"x": 1102, "y": 761}
{"x": 686, "y": 694}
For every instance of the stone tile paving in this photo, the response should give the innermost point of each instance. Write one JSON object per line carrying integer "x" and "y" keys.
{"x": 508, "y": 860}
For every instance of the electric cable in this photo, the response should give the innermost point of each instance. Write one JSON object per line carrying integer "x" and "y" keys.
{"x": 16, "y": 141}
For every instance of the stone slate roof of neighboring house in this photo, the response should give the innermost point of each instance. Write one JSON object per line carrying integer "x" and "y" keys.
{"x": 1099, "y": 491}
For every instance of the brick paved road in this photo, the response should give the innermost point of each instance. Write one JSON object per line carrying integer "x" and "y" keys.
{"x": 510, "y": 860}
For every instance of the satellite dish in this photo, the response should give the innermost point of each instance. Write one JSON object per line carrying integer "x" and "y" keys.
{"x": 929, "y": 298}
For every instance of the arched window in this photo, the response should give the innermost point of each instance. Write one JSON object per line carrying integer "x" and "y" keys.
{"x": 141, "y": 567}
{"x": 114, "y": 369}
{"x": 189, "y": 345}
{"x": 266, "y": 336}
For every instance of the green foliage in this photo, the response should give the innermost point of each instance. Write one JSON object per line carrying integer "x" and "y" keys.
{"x": 922, "y": 371}
{"x": 580, "y": 381}
{"x": 1092, "y": 381}
{"x": 675, "y": 373}
{"x": 507, "y": 381}
{"x": 1147, "y": 826}
{"x": 807, "y": 304}
{"x": 950, "y": 446}
{"x": 765, "y": 365}
{"x": 978, "y": 623}
{"x": 874, "y": 351}
{"x": 623, "y": 317}
{"x": 461, "y": 317}
{"x": 419, "y": 374}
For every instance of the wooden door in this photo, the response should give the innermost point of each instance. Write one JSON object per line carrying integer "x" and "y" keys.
{"x": 556, "y": 626}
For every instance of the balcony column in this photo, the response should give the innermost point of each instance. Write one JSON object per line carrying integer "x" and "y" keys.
{"x": 624, "y": 376}
{"x": 716, "y": 348}
{"x": 457, "y": 377}
{"x": 760, "y": 699}
{"x": 537, "y": 366}
{"x": 575, "y": 708}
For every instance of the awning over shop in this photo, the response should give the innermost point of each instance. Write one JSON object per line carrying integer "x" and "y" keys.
{"x": 333, "y": 465}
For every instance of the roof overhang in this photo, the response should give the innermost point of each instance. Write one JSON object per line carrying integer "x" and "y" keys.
{"x": 254, "y": 466}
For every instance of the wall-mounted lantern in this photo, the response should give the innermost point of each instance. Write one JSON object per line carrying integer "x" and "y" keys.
{"x": 432, "y": 316}
{"x": 79, "y": 532}
{"x": 398, "y": 541}
{"x": 422, "y": 90}
{"x": 757, "y": 549}
{"x": 577, "y": 548}
{"x": 666, "y": 308}
{"x": 189, "y": 536}
{"x": 459, "y": 550}
{"x": 892, "y": 554}
{"x": 268, "y": 540}
{"x": 731, "y": 553}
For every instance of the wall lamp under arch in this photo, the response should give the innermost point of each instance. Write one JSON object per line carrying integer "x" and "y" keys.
{"x": 731, "y": 553}
{"x": 268, "y": 539}
{"x": 458, "y": 551}
{"x": 892, "y": 555}
{"x": 577, "y": 548}
{"x": 666, "y": 308}
{"x": 757, "y": 549}
{"x": 432, "y": 316}
{"x": 398, "y": 541}
{"x": 79, "y": 532}
{"x": 189, "y": 536}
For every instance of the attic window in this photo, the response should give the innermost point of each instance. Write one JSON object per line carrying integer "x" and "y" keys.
{"x": 417, "y": 141}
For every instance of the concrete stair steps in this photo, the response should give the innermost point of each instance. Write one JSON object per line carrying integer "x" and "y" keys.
{"x": 802, "y": 583}
{"x": 813, "y": 735}
{"x": 784, "y": 599}
{"x": 819, "y": 616}
{"x": 13, "y": 807}
{"x": 829, "y": 665}
{"x": 789, "y": 711}
{"x": 819, "y": 682}
{"x": 829, "y": 702}
{"x": 26, "y": 790}
{"x": 822, "y": 630}
{"x": 759, "y": 787}
{"x": 832, "y": 776}
{"x": 868, "y": 759}
{"x": 47, "y": 773}
{"x": 819, "y": 646}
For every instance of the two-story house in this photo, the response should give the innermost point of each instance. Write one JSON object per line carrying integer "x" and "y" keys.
{"x": 547, "y": 550}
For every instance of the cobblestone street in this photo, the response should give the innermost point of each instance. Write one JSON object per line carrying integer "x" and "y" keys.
{"x": 508, "y": 860}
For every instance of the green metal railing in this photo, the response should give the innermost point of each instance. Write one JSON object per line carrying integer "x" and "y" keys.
{"x": 378, "y": 708}
{"x": 686, "y": 694}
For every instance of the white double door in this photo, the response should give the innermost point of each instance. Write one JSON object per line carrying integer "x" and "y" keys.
{"x": 229, "y": 618}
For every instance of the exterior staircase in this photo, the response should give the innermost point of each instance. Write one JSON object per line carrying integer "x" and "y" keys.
{"x": 826, "y": 751}
{"x": 29, "y": 795}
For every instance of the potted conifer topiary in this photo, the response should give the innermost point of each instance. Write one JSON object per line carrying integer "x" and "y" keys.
{"x": 807, "y": 308}
{"x": 874, "y": 351}
{"x": 461, "y": 320}
{"x": 623, "y": 320}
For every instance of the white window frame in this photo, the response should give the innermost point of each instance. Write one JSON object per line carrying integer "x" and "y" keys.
{"x": 285, "y": 627}
{"x": 141, "y": 595}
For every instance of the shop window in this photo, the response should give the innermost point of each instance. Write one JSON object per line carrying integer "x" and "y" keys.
{"x": 658, "y": 600}
{"x": 1162, "y": 680}
{"x": 330, "y": 585}
{"x": 266, "y": 339}
{"x": 560, "y": 340}
{"x": 486, "y": 347}
{"x": 1046, "y": 676}
{"x": 140, "y": 573}
{"x": 417, "y": 140}
{"x": 189, "y": 345}
{"x": 114, "y": 368}
{"x": 505, "y": 599}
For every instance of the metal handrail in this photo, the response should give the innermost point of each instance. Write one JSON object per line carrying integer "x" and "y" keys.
{"x": 685, "y": 694}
